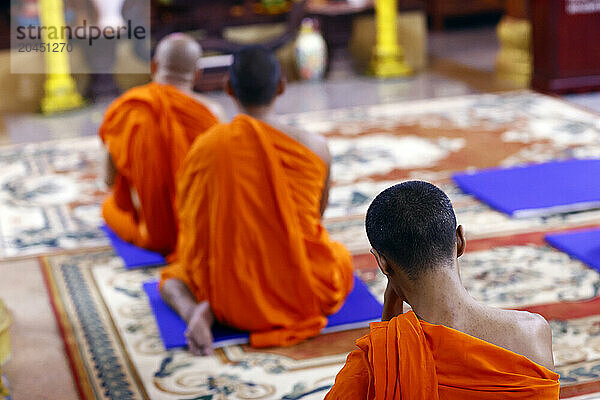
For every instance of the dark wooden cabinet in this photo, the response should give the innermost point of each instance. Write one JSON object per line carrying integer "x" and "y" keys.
{"x": 5, "y": 25}
{"x": 439, "y": 10}
{"x": 336, "y": 17}
{"x": 208, "y": 16}
{"x": 566, "y": 41}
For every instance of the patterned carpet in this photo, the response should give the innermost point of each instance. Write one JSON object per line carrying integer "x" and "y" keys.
{"x": 116, "y": 352}
{"x": 49, "y": 204}
{"x": 50, "y": 193}
{"x": 49, "y": 197}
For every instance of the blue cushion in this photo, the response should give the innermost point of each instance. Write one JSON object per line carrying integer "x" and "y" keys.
{"x": 133, "y": 256}
{"x": 360, "y": 309}
{"x": 536, "y": 190}
{"x": 583, "y": 245}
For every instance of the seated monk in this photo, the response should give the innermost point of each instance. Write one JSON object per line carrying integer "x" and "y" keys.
{"x": 449, "y": 346}
{"x": 252, "y": 252}
{"x": 148, "y": 131}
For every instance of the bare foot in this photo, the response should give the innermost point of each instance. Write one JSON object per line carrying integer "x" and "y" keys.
{"x": 198, "y": 334}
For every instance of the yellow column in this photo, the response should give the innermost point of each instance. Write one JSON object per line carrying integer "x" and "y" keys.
{"x": 515, "y": 58}
{"x": 387, "y": 60}
{"x": 60, "y": 90}
{"x": 4, "y": 393}
{"x": 5, "y": 321}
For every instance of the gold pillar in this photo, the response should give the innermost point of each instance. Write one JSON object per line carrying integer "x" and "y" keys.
{"x": 4, "y": 393}
{"x": 515, "y": 58}
{"x": 60, "y": 90}
{"x": 5, "y": 322}
{"x": 387, "y": 60}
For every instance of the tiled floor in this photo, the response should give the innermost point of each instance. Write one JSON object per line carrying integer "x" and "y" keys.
{"x": 298, "y": 97}
{"x": 588, "y": 100}
{"x": 38, "y": 367}
{"x": 359, "y": 91}
{"x": 474, "y": 48}
{"x": 462, "y": 62}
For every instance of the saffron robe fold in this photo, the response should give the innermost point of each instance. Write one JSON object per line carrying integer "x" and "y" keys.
{"x": 410, "y": 359}
{"x": 251, "y": 240}
{"x": 148, "y": 132}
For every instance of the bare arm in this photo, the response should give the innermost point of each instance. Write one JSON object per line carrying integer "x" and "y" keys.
{"x": 215, "y": 107}
{"x": 198, "y": 316}
{"x": 111, "y": 171}
{"x": 219, "y": 112}
{"x": 321, "y": 148}
{"x": 544, "y": 335}
{"x": 393, "y": 305}
{"x": 325, "y": 195}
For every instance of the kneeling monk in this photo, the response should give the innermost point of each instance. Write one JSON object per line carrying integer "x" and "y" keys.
{"x": 252, "y": 252}
{"x": 148, "y": 132}
{"x": 449, "y": 346}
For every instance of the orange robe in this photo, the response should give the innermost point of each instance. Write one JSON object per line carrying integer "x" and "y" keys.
{"x": 406, "y": 358}
{"x": 148, "y": 132}
{"x": 251, "y": 240}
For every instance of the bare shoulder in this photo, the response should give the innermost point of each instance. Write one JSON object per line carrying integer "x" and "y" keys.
{"x": 317, "y": 143}
{"x": 534, "y": 337}
{"x": 533, "y": 323}
{"x": 214, "y": 106}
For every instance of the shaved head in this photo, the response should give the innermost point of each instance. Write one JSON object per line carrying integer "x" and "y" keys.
{"x": 413, "y": 224}
{"x": 177, "y": 57}
{"x": 255, "y": 75}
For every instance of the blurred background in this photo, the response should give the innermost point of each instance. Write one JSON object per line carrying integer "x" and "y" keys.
{"x": 336, "y": 54}
{"x": 445, "y": 47}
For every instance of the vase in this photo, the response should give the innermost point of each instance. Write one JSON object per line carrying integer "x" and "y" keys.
{"x": 311, "y": 52}
{"x": 109, "y": 13}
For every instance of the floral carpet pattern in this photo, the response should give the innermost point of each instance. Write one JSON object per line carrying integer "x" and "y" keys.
{"x": 50, "y": 196}
{"x": 114, "y": 346}
{"x": 117, "y": 353}
{"x": 50, "y": 193}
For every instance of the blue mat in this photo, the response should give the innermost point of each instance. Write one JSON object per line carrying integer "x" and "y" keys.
{"x": 583, "y": 245}
{"x": 360, "y": 309}
{"x": 133, "y": 256}
{"x": 536, "y": 190}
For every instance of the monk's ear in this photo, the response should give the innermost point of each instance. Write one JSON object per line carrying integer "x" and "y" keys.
{"x": 153, "y": 67}
{"x": 461, "y": 242}
{"x": 382, "y": 262}
{"x": 281, "y": 86}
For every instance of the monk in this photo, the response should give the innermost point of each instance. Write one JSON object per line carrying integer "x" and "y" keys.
{"x": 449, "y": 346}
{"x": 252, "y": 252}
{"x": 148, "y": 131}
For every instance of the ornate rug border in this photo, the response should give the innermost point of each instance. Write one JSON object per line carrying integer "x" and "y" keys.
{"x": 82, "y": 372}
{"x": 80, "y": 375}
